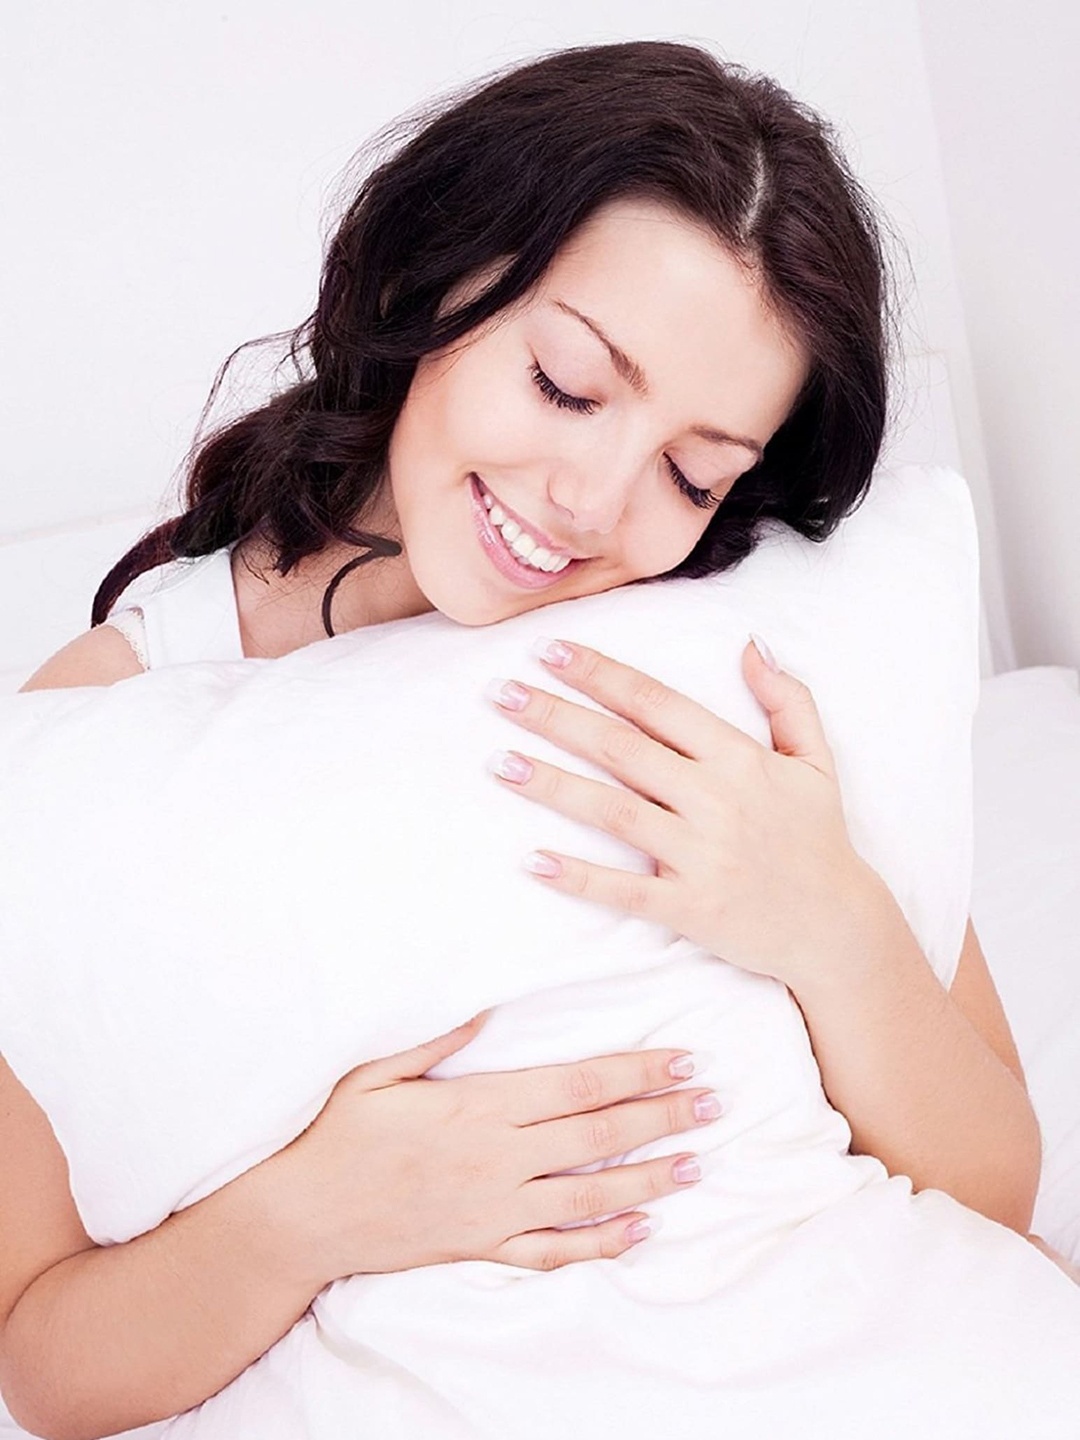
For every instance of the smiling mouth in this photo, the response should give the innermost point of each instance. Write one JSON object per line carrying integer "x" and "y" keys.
{"x": 519, "y": 568}
{"x": 539, "y": 539}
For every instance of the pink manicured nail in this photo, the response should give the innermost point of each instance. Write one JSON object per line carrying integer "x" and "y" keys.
{"x": 707, "y": 1107}
{"x": 511, "y": 766}
{"x": 507, "y": 693}
{"x": 542, "y": 864}
{"x": 687, "y": 1170}
{"x": 764, "y": 651}
{"x": 641, "y": 1229}
{"x": 555, "y": 652}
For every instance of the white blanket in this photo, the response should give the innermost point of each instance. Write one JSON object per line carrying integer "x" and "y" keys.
{"x": 272, "y": 871}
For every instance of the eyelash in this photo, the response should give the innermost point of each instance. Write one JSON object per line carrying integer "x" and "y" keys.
{"x": 703, "y": 499}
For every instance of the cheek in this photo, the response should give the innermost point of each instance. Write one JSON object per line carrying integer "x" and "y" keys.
{"x": 453, "y": 409}
{"x": 661, "y": 539}
{"x": 498, "y": 424}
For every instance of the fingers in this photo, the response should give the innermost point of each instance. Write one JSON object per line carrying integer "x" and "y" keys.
{"x": 551, "y": 1249}
{"x": 548, "y": 1091}
{"x": 650, "y": 820}
{"x": 645, "y": 768}
{"x": 670, "y": 717}
{"x": 603, "y": 1134}
{"x": 406, "y": 1064}
{"x": 572, "y": 1199}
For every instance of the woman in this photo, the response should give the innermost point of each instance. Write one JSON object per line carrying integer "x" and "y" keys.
{"x": 628, "y": 302}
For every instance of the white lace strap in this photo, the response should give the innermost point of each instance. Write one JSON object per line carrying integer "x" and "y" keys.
{"x": 130, "y": 624}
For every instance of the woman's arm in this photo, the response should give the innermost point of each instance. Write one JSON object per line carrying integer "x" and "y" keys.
{"x": 396, "y": 1171}
{"x": 99, "y": 657}
{"x": 98, "y": 1339}
{"x": 928, "y": 1079}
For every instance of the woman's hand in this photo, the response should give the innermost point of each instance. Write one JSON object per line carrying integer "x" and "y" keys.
{"x": 398, "y": 1171}
{"x": 753, "y": 858}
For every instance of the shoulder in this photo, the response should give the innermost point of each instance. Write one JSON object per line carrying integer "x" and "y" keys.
{"x": 100, "y": 657}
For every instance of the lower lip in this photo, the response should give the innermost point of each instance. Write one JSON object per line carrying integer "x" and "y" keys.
{"x": 503, "y": 558}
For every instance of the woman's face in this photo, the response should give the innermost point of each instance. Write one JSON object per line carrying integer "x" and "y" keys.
{"x": 536, "y": 421}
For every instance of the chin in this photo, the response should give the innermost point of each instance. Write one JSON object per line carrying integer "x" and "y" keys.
{"x": 477, "y": 616}
{"x": 466, "y": 607}
{"x": 478, "y": 609}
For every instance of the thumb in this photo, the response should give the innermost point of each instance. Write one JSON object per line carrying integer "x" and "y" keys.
{"x": 409, "y": 1064}
{"x": 793, "y": 714}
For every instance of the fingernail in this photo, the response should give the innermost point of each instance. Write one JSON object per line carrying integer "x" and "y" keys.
{"x": 542, "y": 864}
{"x": 708, "y": 1107}
{"x": 687, "y": 1170}
{"x": 511, "y": 766}
{"x": 764, "y": 651}
{"x": 555, "y": 652}
{"x": 507, "y": 693}
{"x": 642, "y": 1229}
{"x": 690, "y": 1064}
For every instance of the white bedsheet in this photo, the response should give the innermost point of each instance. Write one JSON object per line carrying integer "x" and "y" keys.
{"x": 1025, "y": 903}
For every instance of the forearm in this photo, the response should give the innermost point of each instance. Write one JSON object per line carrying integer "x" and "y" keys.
{"x": 118, "y": 1336}
{"x": 920, "y": 1088}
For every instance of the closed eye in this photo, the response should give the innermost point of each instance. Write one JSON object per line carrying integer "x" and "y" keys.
{"x": 551, "y": 392}
{"x": 703, "y": 499}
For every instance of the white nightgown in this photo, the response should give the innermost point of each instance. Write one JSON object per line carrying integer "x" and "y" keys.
{"x": 181, "y": 612}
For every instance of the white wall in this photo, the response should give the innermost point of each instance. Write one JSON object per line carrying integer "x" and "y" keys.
{"x": 1007, "y": 104}
{"x": 165, "y": 198}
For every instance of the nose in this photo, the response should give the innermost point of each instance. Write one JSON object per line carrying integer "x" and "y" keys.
{"x": 593, "y": 497}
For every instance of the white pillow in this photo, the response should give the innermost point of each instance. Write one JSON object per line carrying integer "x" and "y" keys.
{"x": 1025, "y": 904}
{"x": 226, "y": 884}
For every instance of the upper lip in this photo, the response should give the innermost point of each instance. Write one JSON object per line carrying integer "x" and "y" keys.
{"x": 537, "y": 535}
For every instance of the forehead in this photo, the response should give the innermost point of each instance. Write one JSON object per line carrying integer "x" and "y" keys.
{"x": 652, "y": 256}
{"x": 672, "y": 295}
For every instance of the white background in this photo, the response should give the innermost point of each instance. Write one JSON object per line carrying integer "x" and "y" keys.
{"x": 168, "y": 177}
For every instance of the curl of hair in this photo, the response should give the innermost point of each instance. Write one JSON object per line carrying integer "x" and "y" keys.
{"x": 494, "y": 178}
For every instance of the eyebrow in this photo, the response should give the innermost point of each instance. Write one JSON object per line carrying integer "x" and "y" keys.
{"x": 633, "y": 374}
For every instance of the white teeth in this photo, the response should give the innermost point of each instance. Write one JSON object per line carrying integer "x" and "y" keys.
{"x": 522, "y": 544}
{"x": 535, "y": 556}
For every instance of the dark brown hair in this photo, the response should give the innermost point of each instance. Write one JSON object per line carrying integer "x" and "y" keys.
{"x": 506, "y": 169}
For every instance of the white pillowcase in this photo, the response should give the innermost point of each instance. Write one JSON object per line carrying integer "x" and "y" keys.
{"x": 226, "y": 884}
